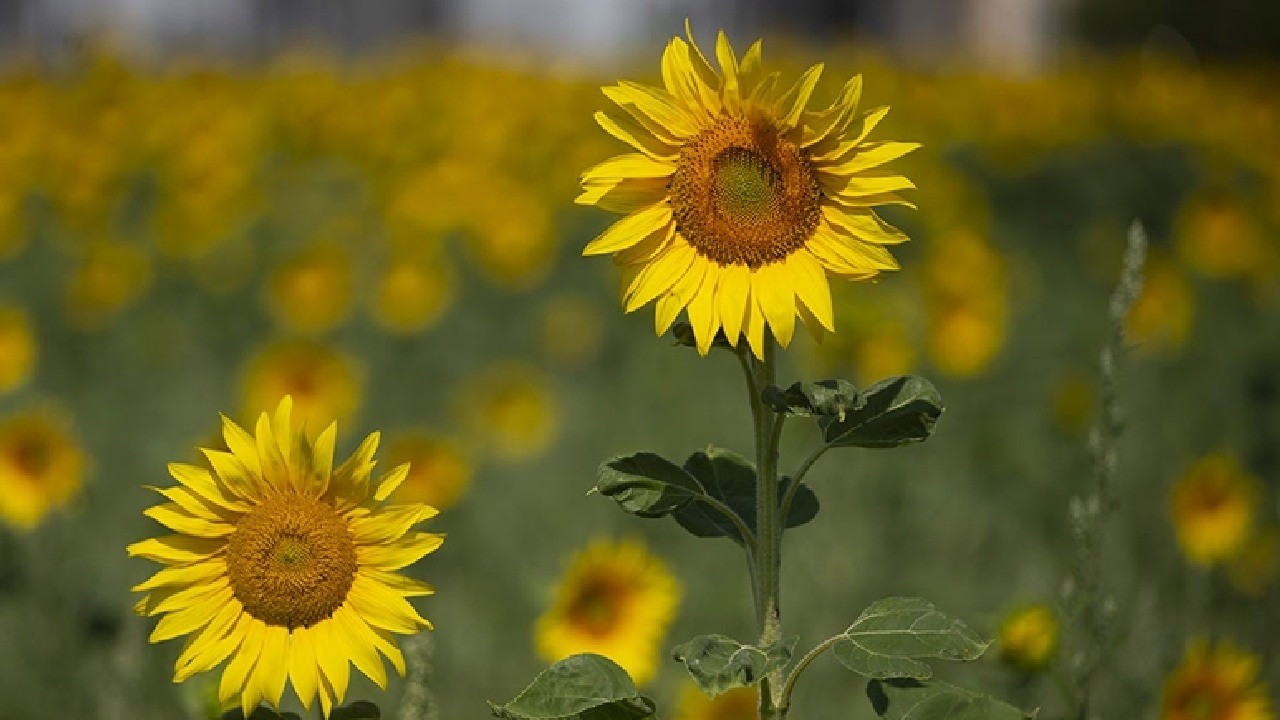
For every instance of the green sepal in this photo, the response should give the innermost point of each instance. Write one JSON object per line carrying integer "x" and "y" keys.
{"x": 731, "y": 479}
{"x": 895, "y": 411}
{"x": 718, "y": 663}
{"x": 646, "y": 484}
{"x": 907, "y": 699}
{"x": 824, "y": 398}
{"x": 890, "y": 637}
{"x": 682, "y": 333}
{"x": 580, "y": 687}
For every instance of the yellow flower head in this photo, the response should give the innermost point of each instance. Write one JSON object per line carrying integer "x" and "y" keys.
{"x": 108, "y": 279}
{"x": 511, "y": 411}
{"x": 1253, "y": 568}
{"x": 17, "y": 348}
{"x": 1218, "y": 683}
{"x": 1219, "y": 237}
{"x": 571, "y": 330}
{"x": 966, "y": 297}
{"x": 311, "y": 292}
{"x": 615, "y": 600}
{"x": 1212, "y": 508}
{"x": 40, "y": 467}
{"x": 284, "y": 564}
{"x": 739, "y": 203}
{"x": 412, "y": 293}
{"x": 1162, "y": 314}
{"x": 438, "y": 470}
{"x": 741, "y": 703}
{"x": 324, "y": 384}
{"x": 1029, "y": 637}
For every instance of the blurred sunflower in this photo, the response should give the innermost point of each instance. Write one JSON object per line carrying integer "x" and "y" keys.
{"x": 311, "y": 292}
{"x": 1220, "y": 237}
{"x": 1219, "y": 683}
{"x": 511, "y": 411}
{"x": 438, "y": 470}
{"x": 1253, "y": 568}
{"x": 285, "y": 565}
{"x": 17, "y": 348}
{"x": 966, "y": 298}
{"x": 571, "y": 330}
{"x": 1072, "y": 402}
{"x": 616, "y": 600}
{"x": 1161, "y": 316}
{"x": 110, "y": 277}
{"x": 1029, "y": 637}
{"x": 323, "y": 383}
{"x": 40, "y": 467}
{"x": 739, "y": 203}
{"x": 742, "y": 703}
{"x": 1212, "y": 505}
{"x": 413, "y": 293}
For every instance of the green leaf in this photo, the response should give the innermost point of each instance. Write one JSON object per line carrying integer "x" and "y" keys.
{"x": 824, "y": 398}
{"x": 646, "y": 484}
{"x": 718, "y": 663}
{"x": 731, "y": 479}
{"x": 889, "y": 638}
{"x": 580, "y": 687}
{"x": 359, "y": 710}
{"x": 906, "y": 699}
{"x": 894, "y": 412}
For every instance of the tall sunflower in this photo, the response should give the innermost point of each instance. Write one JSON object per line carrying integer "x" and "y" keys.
{"x": 284, "y": 564}
{"x": 739, "y": 203}
{"x": 40, "y": 467}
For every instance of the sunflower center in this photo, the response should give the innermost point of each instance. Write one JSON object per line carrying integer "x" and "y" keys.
{"x": 291, "y": 561}
{"x": 32, "y": 455}
{"x": 596, "y": 607}
{"x": 742, "y": 193}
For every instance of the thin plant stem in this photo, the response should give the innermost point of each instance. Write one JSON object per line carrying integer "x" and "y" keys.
{"x": 768, "y": 563}
{"x": 790, "y": 495}
{"x": 748, "y": 537}
{"x": 785, "y": 696}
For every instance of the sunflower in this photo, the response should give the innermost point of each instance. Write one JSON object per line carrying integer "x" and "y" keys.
{"x": 738, "y": 202}
{"x": 438, "y": 469}
{"x": 323, "y": 383}
{"x": 511, "y": 411}
{"x": 284, "y": 564}
{"x": 740, "y": 703}
{"x": 311, "y": 292}
{"x": 1217, "y": 683}
{"x": 17, "y": 348}
{"x": 615, "y": 600}
{"x": 1029, "y": 637}
{"x": 40, "y": 467}
{"x": 1212, "y": 507}
{"x": 413, "y": 293}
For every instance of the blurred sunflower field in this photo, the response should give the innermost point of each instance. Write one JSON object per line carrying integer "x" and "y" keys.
{"x": 393, "y": 243}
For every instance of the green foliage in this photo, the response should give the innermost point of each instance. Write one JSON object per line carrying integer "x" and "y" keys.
{"x": 824, "y": 398}
{"x": 718, "y": 663}
{"x": 891, "y": 635}
{"x": 646, "y": 484}
{"x": 895, "y": 411}
{"x": 731, "y": 479}
{"x": 580, "y": 687}
{"x": 907, "y": 699}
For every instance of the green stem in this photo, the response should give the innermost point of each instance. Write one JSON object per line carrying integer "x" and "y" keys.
{"x": 785, "y": 507}
{"x": 785, "y": 698}
{"x": 768, "y": 564}
{"x": 748, "y": 537}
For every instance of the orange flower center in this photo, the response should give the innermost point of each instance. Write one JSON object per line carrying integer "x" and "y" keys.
{"x": 596, "y": 607}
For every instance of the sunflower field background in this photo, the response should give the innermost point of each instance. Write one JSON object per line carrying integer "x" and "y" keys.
{"x": 392, "y": 242}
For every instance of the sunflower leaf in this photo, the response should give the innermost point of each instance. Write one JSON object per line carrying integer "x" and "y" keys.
{"x": 891, "y": 636}
{"x": 646, "y": 484}
{"x": 731, "y": 479}
{"x": 718, "y": 663}
{"x": 895, "y": 411}
{"x": 823, "y": 398}
{"x": 907, "y": 699}
{"x": 580, "y": 687}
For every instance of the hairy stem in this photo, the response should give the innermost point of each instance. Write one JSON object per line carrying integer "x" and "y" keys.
{"x": 784, "y": 698}
{"x": 784, "y": 509}
{"x": 768, "y": 558}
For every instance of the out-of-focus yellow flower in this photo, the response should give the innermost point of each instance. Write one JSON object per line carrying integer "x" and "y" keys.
{"x": 1212, "y": 506}
{"x": 511, "y": 237}
{"x": 966, "y": 300}
{"x": 1253, "y": 568}
{"x": 1029, "y": 637}
{"x": 1219, "y": 237}
{"x": 1072, "y": 403}
{"x": 1216, "y": 683}
{"x": 413, "y": 293}
{"x": 571, "y": 330}
{"x": 40, "y": 467}
{"x": 742, "y": 703}
{"x": 109, "y": 278}
{"x": 616, "y": 600}
{"x": 881, "y": 350}
{"x": 438, "y": 470}
{"x": 17, "y": 348}
{"x": 324, "y": 384}
{"x": 13, "y": 237}
{"x": 511, "y": 410}
{"x": 1163, "y": 313}
{"x": 311, "y": 292}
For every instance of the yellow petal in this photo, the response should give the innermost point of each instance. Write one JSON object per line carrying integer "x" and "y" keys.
{"x": 176, "y": 549}
{"x": 403, "y": 552}
{"x": 751, "y": 63}
{"x": 729, "y": 70}
{"x": 351, "y": 480}
{"x": 630, "y": 165}
{"x": 790, "y": 106}
{"x": 702, "y": 313}
{"x": 389, "y": 524}
{"x": 679, "y": 78}
{"x": 632, "y": 133}
{"x": 283, "y": 426}
{"x": 867, "y": 156}
{"x": 659, "y": 276}
{"x": 656, "y": 110}
{"x": 183, "y": 575}
{"x": 275, "y": 470}
{"x": 240, "y": 443}
{"x": 382, "y": 607}
{"x": 322, "y": 457}
{"x": 830, "y": 120}
{"x": 177, "y": 597}
{"x": 334, "y": 663}
{"x": 363, "y": 655}
{"x": 811, "y": 287}
{"x": 869, "y": 201}
{"x": 670, "y": 305}
{"x": 731, "y": 299}
{"x": 624, "y": 196}
{"x": 237, "y": 478}
{"x": 709, "y": 81}
{"x": 630, "y": 230}
{"x": 648, "y": 249}
{"x": 862, "y": 185}
{"x": 772, "y": 286}
{"x": 235, "y": 675}
{"x": 327, "y": 694}
{"x": 811, "y": 323}
{"x": 201, "y": 482}
{"x": 406, "y": 586}
{"x": 840, "y": 257}
{"x": 179, "y": 520}
{"x": 272, "y": 669}
{"x": 755, "y": 327}
{"x": 384, "y": 641}
{"x": 864, "y": 225}
{"x": 878, "y": 256}
{"x": 189, "y": 619}
{"x": 194, "y": 505}
{"x": 846, "y": 135}
{"x": 213, "y": 644}
{"x": 391, "y": 480}
{"x": 303, "y": 668}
